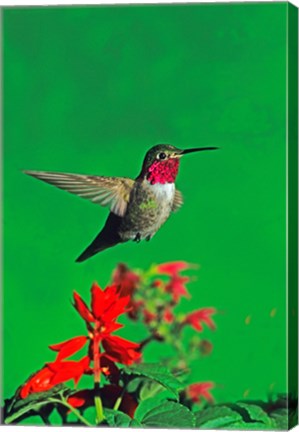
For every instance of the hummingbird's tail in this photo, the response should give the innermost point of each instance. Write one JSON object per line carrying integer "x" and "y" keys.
{"x": 107, "y": 238}
{"x": 98, "y": 245}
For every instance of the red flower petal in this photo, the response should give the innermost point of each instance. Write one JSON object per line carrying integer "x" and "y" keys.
{"x": 81, "y": 398}
{"x": 69, "y": 347}
{"x": 176, "y": 286}
{"x": 82, "y": 308}
{"x": 97, "y": 303}
{"x": 40, "y": 381}
{"x": 115, "y": 309}
{"x": 126, "y": 280}
{"x": 64, "y": 371}
{"x": 102, "y": 301}
{"x": 199, "y": 391}
{"x": 172, "y": 268}
{"x": 168, "y": 316}
{"x": 121, "y": 350}
{"x": 25, "y": 390}
{"x": 196, "y": 318}
{"x": 110, "y": 328}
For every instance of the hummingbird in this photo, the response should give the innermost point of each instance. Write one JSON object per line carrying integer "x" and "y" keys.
{"x": 138, "y": 208}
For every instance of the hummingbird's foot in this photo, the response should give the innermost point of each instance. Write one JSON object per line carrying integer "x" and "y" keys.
{"x": 147, "y": 238}
{"x": 137, "y": 238}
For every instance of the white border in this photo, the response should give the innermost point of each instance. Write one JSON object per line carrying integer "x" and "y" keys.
{"x": 111, "y": 2}
{"x": 108, "y": 2}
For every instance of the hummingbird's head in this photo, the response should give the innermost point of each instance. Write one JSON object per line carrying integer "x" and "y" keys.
{"x": 161, "y": 162}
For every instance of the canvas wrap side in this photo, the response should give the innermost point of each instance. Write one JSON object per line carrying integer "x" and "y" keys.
{"x": 292, "y": 146}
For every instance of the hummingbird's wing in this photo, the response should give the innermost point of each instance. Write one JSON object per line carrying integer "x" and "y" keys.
{"x": 177, "y": 201}
{"x": 112, "y": 192}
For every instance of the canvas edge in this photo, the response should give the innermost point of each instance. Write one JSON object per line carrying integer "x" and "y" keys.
{"x": 292, "y": 208}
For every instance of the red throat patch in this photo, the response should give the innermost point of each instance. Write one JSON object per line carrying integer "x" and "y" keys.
{"x": 163, "y": 171}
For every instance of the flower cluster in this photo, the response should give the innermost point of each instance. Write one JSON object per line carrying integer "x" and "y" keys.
{"x": 155, "y": 296}
{"x": 151, "y": 298}
{"x": 103, "y": 348}
{"x": 200, "y": 391}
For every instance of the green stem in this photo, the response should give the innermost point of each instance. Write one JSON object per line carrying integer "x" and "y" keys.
{"x": 74, "y": 410}
{"x": 23, "y": 411}
{"x": 97, "y": 374}
{"x": 118, "y": 402}
{"x": 146, "y": 341}
{"x": 119, "y": 399}
{"x": 99, "y": 409}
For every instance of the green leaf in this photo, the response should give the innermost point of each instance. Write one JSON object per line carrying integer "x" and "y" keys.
{"x": 135, "y": 423}
{"x": 166, "y": 415}
{"x": 157, "y": 373}
{"x": 117, "y": 418}
{"x": 145, "y": 388}
{"x": 90, "y": 415}
{"x": 23, "y": 411}
{"x": 243, "y": 416}
{"x": 281, "y": 419}
{"x": 16, "y": 408}
{"x": 150, "y": 389}
{"x": 135, "y": 384}
{"x": 258, "y": 415}
{"x": 146, "y": 406}
{"x": 217, "y": 417}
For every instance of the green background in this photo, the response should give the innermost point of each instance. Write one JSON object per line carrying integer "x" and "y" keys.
{"x": 90, "y": 90}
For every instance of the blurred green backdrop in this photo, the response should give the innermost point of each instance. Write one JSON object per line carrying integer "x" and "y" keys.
{"x": 89, "y": 90}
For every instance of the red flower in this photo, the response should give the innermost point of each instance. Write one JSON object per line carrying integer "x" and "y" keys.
{"x": 197, "y": 318}
{"x": 39, "y": 382}
{"x": 107, "y": 305}
{"x": 82, "y": 308}
{"x": 177, "y": 283}
{"x": 127, "y": 282}
{"x": 69, "y": 347}
{"x": 66, "y": 370}
{"x": 100, "y": 319}
{"x": 176, "y": 287}
{"x": 121, "y": 350}
{"x": 81, "y": 398}
{"x": 168, "y": 316}
{"x": 125, "y": 279}
{"x": 172, "y": 268}
{"x": 53, "y": 374}
{"x": 199, "y": 391}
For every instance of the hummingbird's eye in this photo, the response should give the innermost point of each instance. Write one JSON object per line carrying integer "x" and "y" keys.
{"x": 161, "y": 155}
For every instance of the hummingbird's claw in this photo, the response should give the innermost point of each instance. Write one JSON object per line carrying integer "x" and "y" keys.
{"x": 137, "y": 238}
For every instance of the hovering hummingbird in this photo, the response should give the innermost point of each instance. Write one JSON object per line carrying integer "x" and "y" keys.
{"x": 138, "y": 208}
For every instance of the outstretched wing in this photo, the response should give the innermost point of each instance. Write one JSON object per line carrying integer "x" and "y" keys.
{"x": 112, "y": 192}
{"x": 177, "y": 201}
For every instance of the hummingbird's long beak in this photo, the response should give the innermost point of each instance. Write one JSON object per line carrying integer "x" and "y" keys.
{"x": 192, "y": 150}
